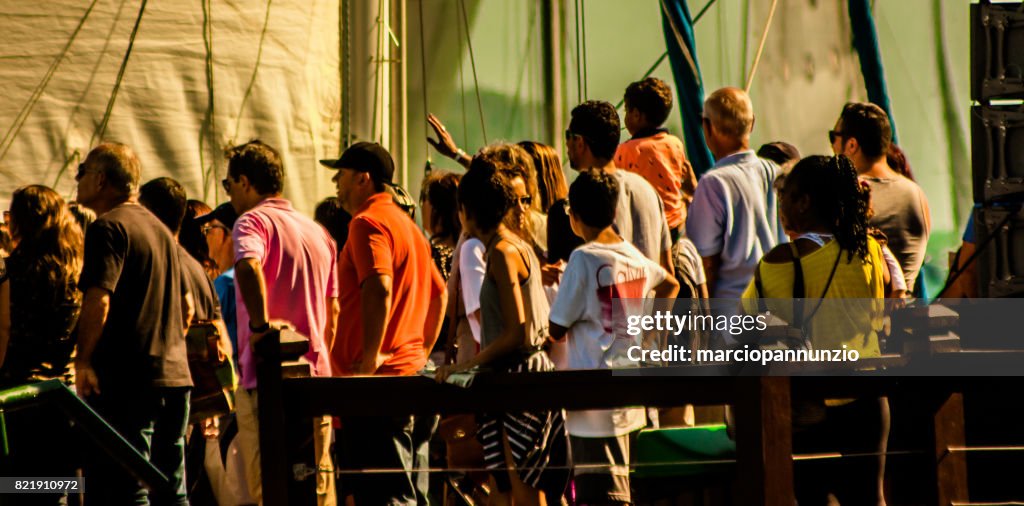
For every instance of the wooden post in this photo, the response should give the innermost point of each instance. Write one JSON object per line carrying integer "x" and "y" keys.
{"x": 950, "y": 472}
{"x": 271, "y": 416}
{"x": 764, "y": 442}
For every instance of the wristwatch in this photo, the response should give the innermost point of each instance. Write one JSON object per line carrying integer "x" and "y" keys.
{"x": 259, "y": 328}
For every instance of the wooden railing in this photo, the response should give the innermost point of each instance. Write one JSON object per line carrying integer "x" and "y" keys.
{"x": 761, "y": 406}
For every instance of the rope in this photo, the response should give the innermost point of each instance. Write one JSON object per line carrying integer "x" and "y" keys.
{"x": 583, "y": 31}
{"x": 23, "y": 114}
{"x": 760, "y": 46}
{"x": 702, "y": 11}
{"x": 345, "y": 29}
{"x": 579, "y": 62}
{"x": 1009, "y": 503}
{"x": 664, "y": 55}
{"x": 472, "y": 62}
{"x": 462, "y": 88}
{"x": 423, "y": 70}
{"x": 209, "y": 122}
{"x": 102, "y": 129}
{"x": 377, "y": 90}
{"x": 631, "y": 465}
{"x": 255, "y": 69}
{"x": 959, "y": 449}
{"x": 522, "y": 72}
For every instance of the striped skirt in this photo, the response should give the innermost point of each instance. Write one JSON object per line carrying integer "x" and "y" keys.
{"x": 537, "y": 439}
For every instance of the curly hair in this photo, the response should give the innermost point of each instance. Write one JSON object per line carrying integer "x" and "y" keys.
{"x": 485, "y": 191}
{"x": 49, "y": 238}
{"x": 837, "y": 199}
{"x": 515, "y": 161}
{"x": 652, "y": 97}
{"x": 598, "y": 123}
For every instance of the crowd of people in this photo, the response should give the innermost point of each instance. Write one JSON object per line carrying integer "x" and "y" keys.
{"x": 514, "y": 270}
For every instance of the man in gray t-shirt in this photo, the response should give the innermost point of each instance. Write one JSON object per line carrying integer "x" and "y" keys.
{"x": 863, "y": 133}
{"x": 733, "y": 220}
{"x": 591, "y": 140}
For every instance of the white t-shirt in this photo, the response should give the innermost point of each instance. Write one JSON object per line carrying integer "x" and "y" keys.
{"x": 471, "y": 275}
{"x": 598, "y": 278}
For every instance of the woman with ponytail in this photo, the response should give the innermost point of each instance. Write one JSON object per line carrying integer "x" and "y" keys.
{"x": 824, "y": 206}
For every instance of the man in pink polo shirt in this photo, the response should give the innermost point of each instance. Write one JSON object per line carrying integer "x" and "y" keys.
{"x": 284, "y": 270}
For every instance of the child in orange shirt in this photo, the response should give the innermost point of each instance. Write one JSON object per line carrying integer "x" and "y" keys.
{"x": 653, "y": 153}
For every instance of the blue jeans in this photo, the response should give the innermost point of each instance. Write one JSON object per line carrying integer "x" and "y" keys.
{"x": 153, "y": 420}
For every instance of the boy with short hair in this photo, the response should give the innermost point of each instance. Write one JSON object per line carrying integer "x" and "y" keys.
{"x": 654, "y": 153}
{"x": 600, "y": 271}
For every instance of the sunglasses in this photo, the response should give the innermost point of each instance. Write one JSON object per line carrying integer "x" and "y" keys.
{"x": 82, "y": 171}
{"x": 524, "y": 201}
{"x": 226, "y": 184}
{"x": 833, "y": 135}
{"x": 206, "y": 228}
{"x": 569, "y": 134}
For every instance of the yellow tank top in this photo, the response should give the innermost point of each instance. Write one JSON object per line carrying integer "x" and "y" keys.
{"x": 854, "y": 322}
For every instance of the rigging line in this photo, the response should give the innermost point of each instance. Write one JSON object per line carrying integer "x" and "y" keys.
{"x": 76, "y": 155}
{"x": 102, "y": 129}
{"x": 209, "y": 121}
{"x": 472, "y": 62}
{"x": 664, "y": 55}
{"x": 423, "y": 70}
{"x": 26, "y": 110}
{"x": 579, "y": 61}
{"x": 68, "y": 160}
{"x": 760, "y": 47}
{"x": 522, "y": 71}
{"x": 462, "y": 87}
{"x": 702, "y": 11}
{"x": 583, "y": 36}
{"x": 377, "y": 91}
{"x": 255, "y": 69}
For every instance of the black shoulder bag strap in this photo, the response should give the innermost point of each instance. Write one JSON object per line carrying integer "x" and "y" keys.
{"x": 798, "y": 285}
{"x": 828, "y": 284}
{"x": 759, "y": 288}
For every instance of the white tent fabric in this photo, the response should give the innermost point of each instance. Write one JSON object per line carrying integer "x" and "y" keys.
{"x": 176, "y": 115}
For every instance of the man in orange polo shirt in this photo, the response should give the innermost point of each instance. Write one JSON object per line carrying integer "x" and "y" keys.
{"x": 392, "y": 305}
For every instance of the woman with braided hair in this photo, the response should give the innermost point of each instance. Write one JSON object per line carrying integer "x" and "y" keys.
{"x": 824, "y": 206}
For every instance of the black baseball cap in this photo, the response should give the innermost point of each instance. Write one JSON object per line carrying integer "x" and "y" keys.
{"x": 224, "y": 213}
{"x": 779, "y": 152}
{"x": 367, "y": 157}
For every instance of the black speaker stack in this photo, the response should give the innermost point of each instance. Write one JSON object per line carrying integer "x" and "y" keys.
{"x": 997, "y": 145}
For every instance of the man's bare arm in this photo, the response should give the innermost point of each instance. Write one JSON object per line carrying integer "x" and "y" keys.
{"x": 375, "y": 295}
{"x": 711, "y": 265}
{"x": 435, "y": 320}
{"x": 95, "y": 308}
{"x": 253, "y": 287}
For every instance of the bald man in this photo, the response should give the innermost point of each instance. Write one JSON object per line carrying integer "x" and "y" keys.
{"x": 733, "y": 219}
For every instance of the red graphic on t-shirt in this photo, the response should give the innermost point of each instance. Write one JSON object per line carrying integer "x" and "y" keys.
{"x": 619, "y": 291}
